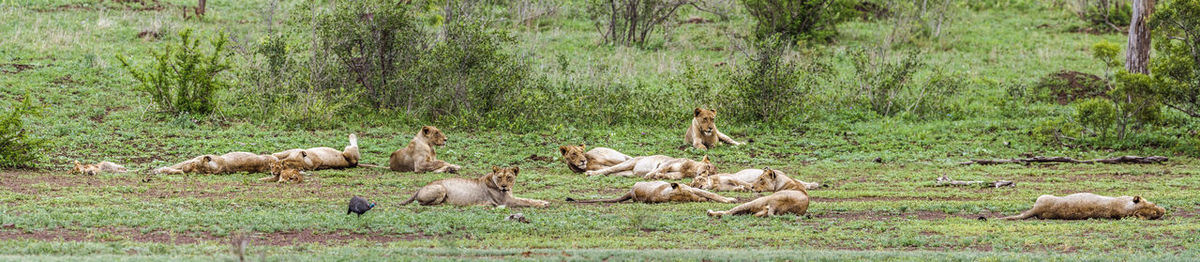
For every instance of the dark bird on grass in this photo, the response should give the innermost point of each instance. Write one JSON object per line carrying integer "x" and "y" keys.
{"x": 359, "y": 205}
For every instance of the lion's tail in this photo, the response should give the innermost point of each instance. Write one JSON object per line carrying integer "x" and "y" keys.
{"x": 353, "y": 140}
{"x": 410, "y": 199}
{"x": 611, "y": 200}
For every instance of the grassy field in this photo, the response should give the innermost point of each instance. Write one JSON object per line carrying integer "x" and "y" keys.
{"x": 61, "y": 53}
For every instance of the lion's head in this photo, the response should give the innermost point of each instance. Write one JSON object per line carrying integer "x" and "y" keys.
{"x": 705, "y": 121}
{"x": 766, "y": 181}
{"x": 698, "y": 169}
{"x": 208, "y": 164}
{"x": 83, "y": 169}
{"x": 702, "y": 182}
{"x": 503, "y": 178}
{"x": 574, "y": 157}
{"x": 1147, "y": 210}
{"x": 433, "y": 136}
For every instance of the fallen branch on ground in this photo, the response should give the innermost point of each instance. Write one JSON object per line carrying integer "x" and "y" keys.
{"x": 946, "y": 181}
{"x": 1062, "y": 159}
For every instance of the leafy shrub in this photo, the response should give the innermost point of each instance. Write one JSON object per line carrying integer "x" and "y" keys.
{"x": 1105, "y": 15}
{"x": 375, "y": 46}
{"x": 919, "y": 20}
{"x": 1097, "y": 115}
{"x": 184, "y": 78}
{"x": 1137, "y": 101}
{"x": 1107, "y": 53}
{"x": 799, "y": 19}
{"x": 1176, "y": 67}
{"x": 629, "y": 22}
{"x": 1055, "y": 131}
{"x": 17, "y": 147}
{"x": 773, "y": 86}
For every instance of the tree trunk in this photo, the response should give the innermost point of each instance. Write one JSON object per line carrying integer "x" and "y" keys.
{"x": 200, "y": 8}
{"x": 1137, "y": 54}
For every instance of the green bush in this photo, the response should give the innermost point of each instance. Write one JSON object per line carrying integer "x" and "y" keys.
{"x": 1067, "y": 86}
{"x": 1104, "y": 15}
{"x": 184, "y": 78}
{"x": 814, "y": 20}
{"x": 370, "y": 47}
{"x": 1097, "y": 115}
{"x": 1176, "y": 68}
{"x": 1137, "y": 101}
{"x": 1107, "y": 53}
{"x": 17, "y": 147}
{"x": 630, "y": 22}
{"x": 774, "y": 86}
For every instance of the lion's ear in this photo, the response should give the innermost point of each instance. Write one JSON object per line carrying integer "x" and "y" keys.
{"x": 516, "y": 170}
{"x": 674, "y": 185}
{"x": 562, "y": 150}
{"x": 425, "y": 129}
{"x": 1137, "y": 199}
{"x": 697, "y": 113}
{"x": 582, "y": 146}
{"x": 495, "y": 169}
{"x": 207, "y": 158}
{"x": 705, "y": 160}
{"x": 770, "y": 175}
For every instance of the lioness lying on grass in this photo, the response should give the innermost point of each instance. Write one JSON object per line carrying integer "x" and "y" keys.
{"x": 768, "y": 180}
{"x": 1088, "y": 205}
{"x": 595, "y": 159}
{"x": 659, "y": 167}
{"x": 223, "y": 164}
{"x": 494, "y": 189}
{"x": 779, "y": 203}
{"x": 94, "y": 169}
{"x": 659, "y": 192}
{"x": 326, "y": 157}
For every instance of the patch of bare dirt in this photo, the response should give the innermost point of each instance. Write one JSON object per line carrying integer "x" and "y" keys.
{"x": 868, "y": 199}
{"x": 110, "y": 234}
{"x": 130, "y": 5}
{"x": 1067, "y": 86}
{"x": 922, "y": 215}
{"x": 14, "y": 68}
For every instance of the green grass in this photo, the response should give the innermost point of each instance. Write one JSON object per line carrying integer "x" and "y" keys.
{"x": 872, "y": 211}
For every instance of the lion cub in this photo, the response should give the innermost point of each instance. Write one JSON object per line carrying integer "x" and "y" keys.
{"x": 703, "y": 133}
{"x": 326, "y": 157}
{"x": 659, "y": 167}
{"x": 285, "y": 171}
{"x": 1088, "y": 205}
{"x": 595, "y": 159}
{"x": 659, "y": 192}
{"x": 419, "y": 156}
{"x": 494, "y": 189}
{"x": 94, "y": 169}
{"x": 779, "y": 203}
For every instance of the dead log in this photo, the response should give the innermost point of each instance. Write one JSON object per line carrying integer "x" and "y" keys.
{"x": 947, "y": 181}
{"x": 1061, "y": 159}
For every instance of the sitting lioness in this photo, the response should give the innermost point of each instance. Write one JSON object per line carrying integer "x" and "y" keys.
{"x": 494, "y": 189}
{"x": 774, "y": 180}
{"x": 703, "y": 133}
{"x": 1088, "y": 205}
{"x": 659, "y": 167}
{"x": 94, "y": 169}
{"x": 782, "y": 202}
{"x": 659, "y": 192}
{"x": 595, "y": 159}
{"x": 419, "y": 156}
{"x": 326, "y": 157}
{"x": 223, "y": 164}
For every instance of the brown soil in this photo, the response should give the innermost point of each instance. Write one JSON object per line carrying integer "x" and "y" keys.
{"x": 15, "y": 68}
{"x": 131, "y": 5}
{"x": 274, "y": 239}
{"x": 922, "y": 215}
{"x": 1072, "y": 85}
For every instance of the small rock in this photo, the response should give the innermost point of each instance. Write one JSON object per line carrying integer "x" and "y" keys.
{"x": 517, "y": 217}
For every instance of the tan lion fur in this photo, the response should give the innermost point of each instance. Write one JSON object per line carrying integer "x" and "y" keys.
{"x": 703, "y": 133}
{"x": 660, "y": 192}
{"x": 1087, "y": 205}
{"x": 774, "y": 180}
{"x": 98, "y": 168}
{"x": 779, "y": 203}
{"x": 326, "y": 157}
{"x": 419, "y": 156}
{"x": 597, "y": 158}
{"x": 659, "y": 167}
{"x": 494, "y": 189}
